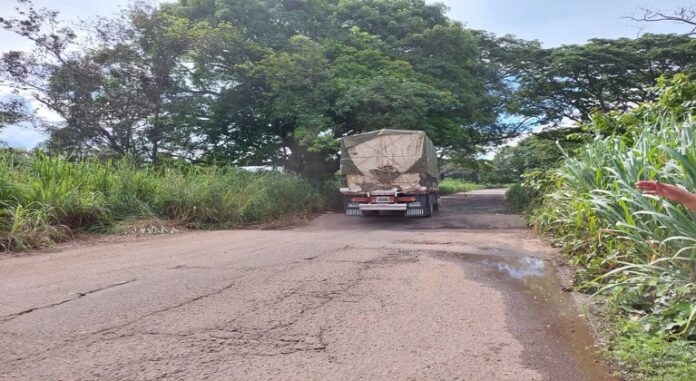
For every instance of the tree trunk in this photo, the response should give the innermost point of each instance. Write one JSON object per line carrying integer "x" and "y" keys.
{"x": 155, "y": 135}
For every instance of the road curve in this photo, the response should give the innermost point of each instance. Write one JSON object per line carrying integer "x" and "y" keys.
{"x": 467, "y": 295}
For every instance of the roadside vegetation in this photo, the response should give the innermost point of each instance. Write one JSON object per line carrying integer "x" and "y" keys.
{"x": 449, "y": 186}
{"x": 636, "y": 252}
{"x": 45, "y": 199}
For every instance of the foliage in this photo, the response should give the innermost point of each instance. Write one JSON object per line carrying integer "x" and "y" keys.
{"x": 639, "y": 249}
{"x": 114, "y": 97}
{"x": 260, "y": 82}
{"x": 449, "y": 186}
{"x": 517, "y": 198}
{"x": 43, "y": 198}
{"x": 268, "y": 82}
{"x": 651, "y": 357}
{"x": 533, "y": 153}
{"x": 573, "y": 82}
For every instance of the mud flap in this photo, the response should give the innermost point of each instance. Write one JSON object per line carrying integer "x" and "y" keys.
{"x": 353, "y": 210}
{"x": 421, "y": 208}
{"x": 415, "y": 211}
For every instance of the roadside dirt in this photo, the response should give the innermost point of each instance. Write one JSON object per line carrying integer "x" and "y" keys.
{"x": 470, "y": 294}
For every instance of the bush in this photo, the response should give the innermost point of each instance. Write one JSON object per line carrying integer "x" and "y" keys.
{"x": 518, "y": 198}
{"x": 449, "y": 186}
{"x": 43, "y": 198}
{"x": 640, "y": 250}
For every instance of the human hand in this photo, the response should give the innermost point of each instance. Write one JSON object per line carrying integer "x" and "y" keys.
{"x": 668, "y": 191}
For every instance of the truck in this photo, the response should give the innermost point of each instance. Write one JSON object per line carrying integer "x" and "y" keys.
{"x": 389, "y": 171}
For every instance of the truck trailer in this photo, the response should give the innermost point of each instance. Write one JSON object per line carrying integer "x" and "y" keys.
{"x": 389, "y": 171}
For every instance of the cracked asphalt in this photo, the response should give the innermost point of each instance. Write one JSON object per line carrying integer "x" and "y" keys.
{"x": 470, "y": 294}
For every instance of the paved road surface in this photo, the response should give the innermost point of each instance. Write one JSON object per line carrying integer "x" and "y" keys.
{"x": 467, "y": 295}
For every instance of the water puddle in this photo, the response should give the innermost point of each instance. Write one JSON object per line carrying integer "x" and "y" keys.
{"x": 525, "y": 267}
{"x": 534, "y": 293}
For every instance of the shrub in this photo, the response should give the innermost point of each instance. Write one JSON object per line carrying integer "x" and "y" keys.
{"x": 641, "y": 248}
{"x": 24, "y": 227}
{"x": 518, "y": 198}
{"x": 43, "y": 198}
{"x": 638, "y": 249}
{"x": 449, "y": 186}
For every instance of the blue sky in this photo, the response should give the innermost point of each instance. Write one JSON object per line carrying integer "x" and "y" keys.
{"x": 552, "y": 22}
{"x": 561, "y": 22}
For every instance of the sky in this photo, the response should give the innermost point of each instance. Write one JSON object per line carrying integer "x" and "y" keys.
{"x": 553, "y": 22}
{"x": 560, "y": 22}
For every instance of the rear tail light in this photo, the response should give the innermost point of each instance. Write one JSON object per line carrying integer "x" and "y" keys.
{"x": 359, "y": 199}
{"x": 407, "y": 199}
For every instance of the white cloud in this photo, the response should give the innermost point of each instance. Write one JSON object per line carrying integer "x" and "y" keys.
{"x": 19, "y": 136}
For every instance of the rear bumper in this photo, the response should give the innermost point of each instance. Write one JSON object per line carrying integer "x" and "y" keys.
{"x": 397, "y": 207}
{"x": 412, "y": 209}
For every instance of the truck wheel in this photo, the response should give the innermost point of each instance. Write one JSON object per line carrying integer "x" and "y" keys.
{"x": 429, "y": 207}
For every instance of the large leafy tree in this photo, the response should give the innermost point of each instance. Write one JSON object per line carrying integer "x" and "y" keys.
{"x": 277, "y": 81}
{"x": 301, "y": 74}
{"x": 115, "y": 96}
{"x": 532, "y": 153}
{"x": 574, "y": 81}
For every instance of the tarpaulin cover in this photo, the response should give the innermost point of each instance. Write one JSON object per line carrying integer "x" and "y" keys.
{"x": 379, "y": 158}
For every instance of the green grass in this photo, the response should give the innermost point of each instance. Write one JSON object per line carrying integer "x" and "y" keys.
{"x": 645, "y": 356}
{"x": 518, "y": 198}
{"x": 449, "y": 186}
{"x": 653, "y": 357}
{"x": 43, "y": 199}
{"x": 638, "y": 250}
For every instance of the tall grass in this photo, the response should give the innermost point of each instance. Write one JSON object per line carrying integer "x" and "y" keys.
{"x": 43, "y": 199}
{"x": 449, "y": 186}
{"x": 640, "y": 249}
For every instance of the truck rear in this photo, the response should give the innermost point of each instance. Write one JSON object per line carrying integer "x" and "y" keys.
{"x": 389, "y": 171}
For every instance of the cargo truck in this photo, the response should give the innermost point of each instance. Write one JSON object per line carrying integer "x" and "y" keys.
{"x": 389, "y": 171}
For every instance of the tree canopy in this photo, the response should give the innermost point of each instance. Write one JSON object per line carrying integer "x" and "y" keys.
{"x": 261, "y": 82}
{"x": 574, "y": 81}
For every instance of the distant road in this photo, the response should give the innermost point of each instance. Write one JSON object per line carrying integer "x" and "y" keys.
{"x": 467, "y": 295}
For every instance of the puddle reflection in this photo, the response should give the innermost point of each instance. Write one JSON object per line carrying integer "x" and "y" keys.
{"x": 546, "y": 302}
{"x": 523, "y": 268}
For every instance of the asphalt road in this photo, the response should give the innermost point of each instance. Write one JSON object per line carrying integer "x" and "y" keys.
{"x": 467, "y": 295}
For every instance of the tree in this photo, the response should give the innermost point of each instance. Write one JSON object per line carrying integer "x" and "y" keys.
{"x": 268, "y": 82}
{"x": 532, "y": 153}
{"x": 298, "y": 75}
{"x": 572, "y": 82}
{"x": 113, "y": 96}
{"x": 686, "y": 16}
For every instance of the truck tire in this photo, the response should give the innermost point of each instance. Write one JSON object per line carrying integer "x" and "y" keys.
{"x": 429, "y": 207}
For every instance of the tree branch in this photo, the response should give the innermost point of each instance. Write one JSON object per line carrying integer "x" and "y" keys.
{"x": 683, "y": 15}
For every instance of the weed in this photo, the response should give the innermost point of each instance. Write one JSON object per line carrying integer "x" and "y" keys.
{"x": 449, "y": 186}
{"x": 43, "y": 198}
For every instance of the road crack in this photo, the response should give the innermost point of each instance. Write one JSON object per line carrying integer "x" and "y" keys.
{"x": 6, "y": 318}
